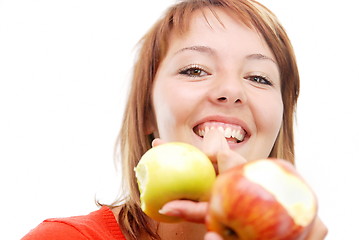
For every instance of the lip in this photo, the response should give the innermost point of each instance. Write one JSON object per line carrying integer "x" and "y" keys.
{"x": 225, "y": 120}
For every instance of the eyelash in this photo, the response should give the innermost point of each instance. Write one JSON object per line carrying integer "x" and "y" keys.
{"x": 193, "y": 67}
{"x": 259, "y": 80}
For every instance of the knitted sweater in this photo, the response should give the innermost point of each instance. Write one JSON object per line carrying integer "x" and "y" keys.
{"x": 98, "y": 225}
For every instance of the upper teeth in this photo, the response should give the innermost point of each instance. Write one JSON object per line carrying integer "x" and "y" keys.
{"x": 227, "y": 132}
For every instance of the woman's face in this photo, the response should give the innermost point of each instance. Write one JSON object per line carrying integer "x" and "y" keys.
{"x": 223, "y": 76}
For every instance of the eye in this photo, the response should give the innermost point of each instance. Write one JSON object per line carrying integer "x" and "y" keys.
{"x": 259, "y": 79}
{"x": 193, "y": 70}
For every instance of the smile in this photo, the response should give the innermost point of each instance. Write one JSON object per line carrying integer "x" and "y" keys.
{"x": 233, "y": 133}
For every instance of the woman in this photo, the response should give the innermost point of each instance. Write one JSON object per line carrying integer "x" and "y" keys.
{"x": 218, "y": 74}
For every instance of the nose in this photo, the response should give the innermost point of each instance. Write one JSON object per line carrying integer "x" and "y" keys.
{"x": 229, "y": 91}
{"x": 225, "y": 99}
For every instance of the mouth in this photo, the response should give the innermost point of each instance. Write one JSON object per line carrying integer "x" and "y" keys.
{"x": 232, "y": 132}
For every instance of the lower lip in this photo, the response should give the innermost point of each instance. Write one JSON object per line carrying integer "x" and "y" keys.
{"x": 233, "y": 145}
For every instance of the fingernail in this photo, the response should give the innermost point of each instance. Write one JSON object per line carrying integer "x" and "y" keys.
{"x": 211, "y": 236}
{"x": 169, "y": 212}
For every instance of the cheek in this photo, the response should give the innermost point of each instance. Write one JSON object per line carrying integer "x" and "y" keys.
{"x": 268, "y": 115}
{"x": 162, "y": 104}
{"x": 171, "y": 106}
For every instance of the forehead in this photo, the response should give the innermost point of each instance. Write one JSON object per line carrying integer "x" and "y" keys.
{"x": 219, "y": 29}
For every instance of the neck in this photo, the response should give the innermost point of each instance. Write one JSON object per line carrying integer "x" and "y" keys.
{"x": 181, "y": 231}
{"x": 172, "y": 231}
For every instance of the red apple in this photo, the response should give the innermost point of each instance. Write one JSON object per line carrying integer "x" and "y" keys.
{"x": 262, "y": 200}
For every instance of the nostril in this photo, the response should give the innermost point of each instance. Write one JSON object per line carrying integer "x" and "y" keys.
{"x": 225, "y": 99}
{"x": 222, "y": 99}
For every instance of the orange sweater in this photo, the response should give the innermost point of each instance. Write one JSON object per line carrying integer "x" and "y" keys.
{"x": 98, "y": 225}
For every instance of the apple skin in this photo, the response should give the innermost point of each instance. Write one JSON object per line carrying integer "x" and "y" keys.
{"x": 173, "y": 171}
{"x": 242, "y": 209}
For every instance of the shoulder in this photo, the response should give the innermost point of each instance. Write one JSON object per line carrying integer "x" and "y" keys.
{"x": 98, "y": 225}
{"x": 55, "y": 231}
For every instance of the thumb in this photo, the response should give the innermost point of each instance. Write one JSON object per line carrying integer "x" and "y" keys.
{"x": 186, "y": 209}
{"x": 212, "y": 236}
{"x": 157, "y": 141}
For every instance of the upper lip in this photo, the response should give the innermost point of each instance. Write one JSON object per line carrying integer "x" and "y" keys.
{"x": 225, "y": 120}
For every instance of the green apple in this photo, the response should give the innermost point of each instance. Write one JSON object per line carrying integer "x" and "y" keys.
{"x": 173, "y": 171}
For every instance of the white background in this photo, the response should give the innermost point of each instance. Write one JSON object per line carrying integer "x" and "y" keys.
{"x": 64, "y": 68}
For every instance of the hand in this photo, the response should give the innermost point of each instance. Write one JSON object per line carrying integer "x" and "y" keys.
{"x": 157, "y": 141}
{"x": 212, "y": 236}
{"x": 223, "y": 158}
{"x": 196, "y": 212}
{"x": 318, "y": 232}
{"x": 187, "y": 210}
{"x": 190, "y": 211}
{"x": 215, "y": 146}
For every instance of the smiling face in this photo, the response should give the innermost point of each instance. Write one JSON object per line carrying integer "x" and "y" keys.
{"x": 220, "y": 74}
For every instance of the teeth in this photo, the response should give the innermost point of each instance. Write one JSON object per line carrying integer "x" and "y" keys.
{"x": 239, "y": 135}
{"x": 221, "y": 129}
{"x": 227, "y": 132}
{"x": 235, "y": 134}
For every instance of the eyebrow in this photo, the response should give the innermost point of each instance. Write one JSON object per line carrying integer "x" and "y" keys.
{"x": 201, "y": 49}
{"x": 208, "y": 50}
{"x": 259, "y": 56}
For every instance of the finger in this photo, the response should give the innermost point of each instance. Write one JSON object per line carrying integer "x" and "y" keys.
{"x": 215, "y": 146}
{"x": 214, "y": 142}
{"x": 319, "y": 230}
{"x": 157, "y": 141}
{"x": 229, "y": 159}
{"x": 212, "y": 236}
{"x": 186, "y": 209}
